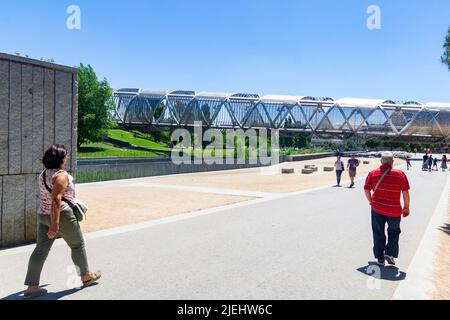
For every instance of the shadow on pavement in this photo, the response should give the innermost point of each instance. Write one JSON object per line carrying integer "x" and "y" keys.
{"x": 445, "y": 228}
{"x": 47, "y": 296}
{"x": 383, "y": 273}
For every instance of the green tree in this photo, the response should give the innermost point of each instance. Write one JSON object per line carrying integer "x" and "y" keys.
{"x": 300, "y": 141}
{"x": 158, "y": 110}
{"x": 373, "y": 143}
{"x": 446, "y": 55}
{"x": 94, "y": 106}
{"x": 206, "y": 112}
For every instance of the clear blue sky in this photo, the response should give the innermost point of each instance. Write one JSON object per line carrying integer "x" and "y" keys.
{"x": 310, "y": 47}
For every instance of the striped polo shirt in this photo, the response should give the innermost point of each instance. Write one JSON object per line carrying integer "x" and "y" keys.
{"x": 386, "y": 200}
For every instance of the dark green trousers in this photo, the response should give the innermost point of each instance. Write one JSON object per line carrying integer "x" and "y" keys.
{"x": 69, "y": 230}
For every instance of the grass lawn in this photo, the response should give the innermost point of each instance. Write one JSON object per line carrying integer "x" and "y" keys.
{"x": 103, "y": 149}
{"x": 302, "y": 151}
{"x": 121, "y": 143}
{"x": 136, "y": 139}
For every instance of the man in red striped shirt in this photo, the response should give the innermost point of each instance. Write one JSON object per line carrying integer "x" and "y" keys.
{"x": 387, "y": 185}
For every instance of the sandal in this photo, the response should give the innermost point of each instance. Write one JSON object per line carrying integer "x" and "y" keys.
{"x": 93, "y": 278}
{"x": 38, "y": 293}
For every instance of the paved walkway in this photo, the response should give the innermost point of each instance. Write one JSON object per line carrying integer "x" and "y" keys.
{"x": 308, "y": 245}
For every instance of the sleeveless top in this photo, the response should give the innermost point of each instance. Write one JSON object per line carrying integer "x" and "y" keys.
{"x": 45, "y": 198}
{"x": 339, "y": 164}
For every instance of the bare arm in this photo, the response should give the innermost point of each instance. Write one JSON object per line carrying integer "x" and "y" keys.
{"x": 59, "y": 186}
{"x": 406, "y": 200}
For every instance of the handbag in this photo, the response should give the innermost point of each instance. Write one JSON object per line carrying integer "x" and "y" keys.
{"x": 78, "y": 207}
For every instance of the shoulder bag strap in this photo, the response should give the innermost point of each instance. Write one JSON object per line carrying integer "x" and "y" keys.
{"x": 50, "y": 190}
{"x": 381, "y": 179}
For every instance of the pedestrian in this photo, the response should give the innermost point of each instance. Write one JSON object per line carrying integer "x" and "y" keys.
{"x": 352, "y": 164}
{"x": 408, "y": 163}
{"x": 383, "y": 188}
{"x": 425, "y": 157}
{"x": 444, "y": 163}
{"x": 435, "y": 164}
{"x": 430, "y": 162}
{"x": 425, "y": 162}
{"x": 340, "y": 167}
{"x": 56, "y": 217}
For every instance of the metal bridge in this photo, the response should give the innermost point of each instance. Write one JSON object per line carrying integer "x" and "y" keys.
{"x": 320, "y": 117}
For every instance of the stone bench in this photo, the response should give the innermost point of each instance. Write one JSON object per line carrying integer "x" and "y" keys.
{"x": 287, "y": 170}
{"x": 312, "y": 166}
{"x": 366, "y": 162}
{"x": 328, "y": 169}
{"x": 308, "y": 171}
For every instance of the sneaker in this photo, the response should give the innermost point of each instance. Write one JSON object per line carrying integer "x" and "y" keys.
{"x": 351, "y": 185}
{"x": 380, "y": 262}
{"x": 390, "y": 260}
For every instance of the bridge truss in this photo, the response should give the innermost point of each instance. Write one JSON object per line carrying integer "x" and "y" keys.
{"x": 321, "y": 117}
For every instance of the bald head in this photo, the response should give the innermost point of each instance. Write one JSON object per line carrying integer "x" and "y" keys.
{"x": 387, "y": 158}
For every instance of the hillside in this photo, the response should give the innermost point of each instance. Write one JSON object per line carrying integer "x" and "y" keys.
{"x": 121, "y": 143}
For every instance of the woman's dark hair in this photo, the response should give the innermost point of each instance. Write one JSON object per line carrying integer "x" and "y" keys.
{"x": 54, "y": 156}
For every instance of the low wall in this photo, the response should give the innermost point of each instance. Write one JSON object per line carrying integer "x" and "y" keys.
{"x": 102, "y": 169}
{"x": 115, "y": 169}
{"x": 302, "y": 157}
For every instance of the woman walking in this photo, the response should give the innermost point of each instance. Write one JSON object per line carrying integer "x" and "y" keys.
{"x": 55, "y": 217}
{"x": 444, "y": 164}
{"x": 339, "y": 165}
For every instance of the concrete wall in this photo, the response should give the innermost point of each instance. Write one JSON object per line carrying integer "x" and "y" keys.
{"x": 302, "y": 157}
{"x": 92, "y": 170}
{"x": 114, "y": 169}
{"x": 34, "y": 97}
